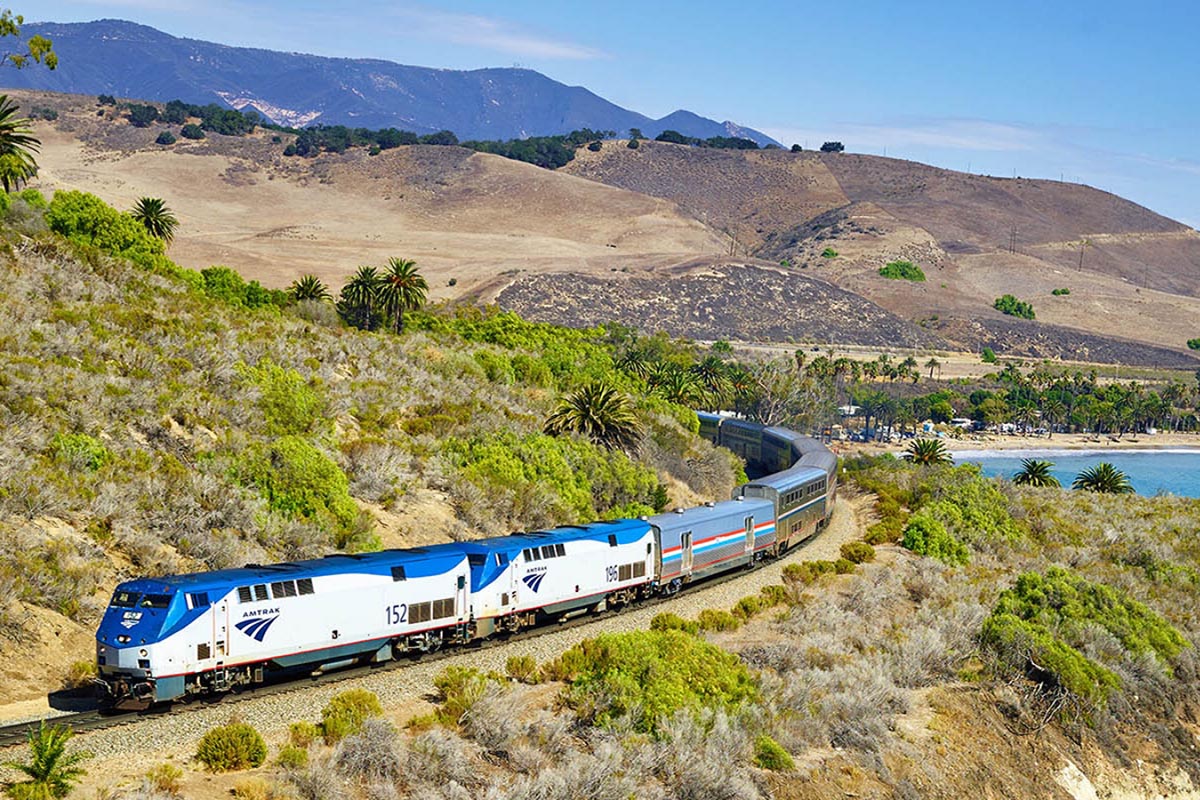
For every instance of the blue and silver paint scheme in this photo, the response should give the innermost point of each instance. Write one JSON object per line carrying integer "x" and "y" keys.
{"x": 158, "y": 636}
{"x": 558, "y": 570}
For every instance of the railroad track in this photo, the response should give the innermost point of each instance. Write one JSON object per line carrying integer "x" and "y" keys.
{"x": 91, "y": 720}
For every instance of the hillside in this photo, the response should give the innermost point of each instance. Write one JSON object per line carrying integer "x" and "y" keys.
{"x": 149, "y": 426}
{"x": 135, "y": 61}
{"x": 780, "y": 206}
{"x": 494, "y": 226}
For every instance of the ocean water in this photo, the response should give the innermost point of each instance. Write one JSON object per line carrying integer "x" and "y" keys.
{"x": 1170, "y": 471}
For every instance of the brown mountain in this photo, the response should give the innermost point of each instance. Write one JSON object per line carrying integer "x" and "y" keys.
{"x": 703, "y": 243}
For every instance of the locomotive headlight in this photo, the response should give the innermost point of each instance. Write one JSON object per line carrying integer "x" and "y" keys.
{"x": 122, "y": 639}
{"x": 143, "y": 652}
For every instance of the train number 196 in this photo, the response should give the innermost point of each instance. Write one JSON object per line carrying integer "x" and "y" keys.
{"x": 397, "y": 614}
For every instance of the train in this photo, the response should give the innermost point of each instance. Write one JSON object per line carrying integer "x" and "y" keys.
{"x": 179, "y": 637}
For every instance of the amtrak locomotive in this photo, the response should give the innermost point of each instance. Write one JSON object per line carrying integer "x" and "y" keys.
{"x": 164, "y": 639}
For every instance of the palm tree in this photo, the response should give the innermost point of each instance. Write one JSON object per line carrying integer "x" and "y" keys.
{"x": 1035, "y": 473}
{"x": 402, "y": 289}
{"x": 927, "y": 452}
{"x": 52, "y": 771}
{"x": 156, "y": 218}
{"x": 675, "y": 384}
{"x": 359, "y": 300}
{"x": 714, "y": 380}
{"x": 309, "y": 287}
{"x": 933, "y": 364}
{"x": 17, "y": 146}
{"x": 1103, "y": 478}
{"x": 599, "y": 412}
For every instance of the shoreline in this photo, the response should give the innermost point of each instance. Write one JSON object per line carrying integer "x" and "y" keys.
{"x": 1065, "y": 443}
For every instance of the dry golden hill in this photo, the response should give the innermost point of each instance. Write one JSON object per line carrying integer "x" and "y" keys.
{"x": 656, "y": 222}
{"x": 461, "y": 215}
{"x": 976, "y": 237}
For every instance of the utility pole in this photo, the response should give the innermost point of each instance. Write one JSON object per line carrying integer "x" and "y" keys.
{"x": 1012, "y": 240}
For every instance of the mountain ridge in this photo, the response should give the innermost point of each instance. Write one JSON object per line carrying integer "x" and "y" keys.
{"x": 137, "y": 61}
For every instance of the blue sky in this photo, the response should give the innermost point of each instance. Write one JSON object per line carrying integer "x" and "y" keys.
{"x": 1102, "y": 93}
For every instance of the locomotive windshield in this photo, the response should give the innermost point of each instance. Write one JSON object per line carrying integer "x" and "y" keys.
{"x": 124, "y": 599}
{"x": 155, "y": 601}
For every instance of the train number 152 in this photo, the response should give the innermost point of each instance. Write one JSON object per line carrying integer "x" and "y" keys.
{"x": 397, "y": 614}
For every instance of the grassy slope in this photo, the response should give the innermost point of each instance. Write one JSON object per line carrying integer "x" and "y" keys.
{"x": 147, "y": 428}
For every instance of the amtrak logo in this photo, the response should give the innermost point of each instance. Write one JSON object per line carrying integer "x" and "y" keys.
{"x": 256, "y": 628}
{"x": 130, "y": 618}
{"x": 534, "y": 580}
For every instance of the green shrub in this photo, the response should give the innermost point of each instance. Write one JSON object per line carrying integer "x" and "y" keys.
{"x": 232, "y": 747}
{"x": 192, "y": 131}
{"x": 88, "y": 220}
{"x": 165, "y": 138}
{"x": 346, "y": 712}
{"x": 254, "y": 788}
{"x": 768, "y": 754}
{"x": 80, "y": 674}
{"x": 667, "y": 621}
{"x": 775, "y": 594}
{"x": 927, "y": 536}
{"x": 747, "y": 607}
{"x": 523, "y": 669}
{"x": 858, "y": 552}
{"x": 224, "y": 284}
{"x": 299, "y": 480}
{"x": 902, "y": 270}
{"x": 807, "y": 572}
{"x": 650, "y": 675}
{"x": 80, "y": 451}
{"x": 711, "y": 619}
{"x": 458, "y": 689}
{"x": 844, "y": 567}
{"x": 969, "y": 505}
{"x": 292, "y": 757}
{"x": 34, "y": 199}
{"x": 829, "y": 252}
{"x": 166, "y": 778}
{"x": 288, "y": 402}
{"x": 988, "y": 356}
{"x": 1060, "y": 292}
{"x": 303, "y": 734}
{"x": 1193, "y": 344}
{"x": 1007, "y": 304}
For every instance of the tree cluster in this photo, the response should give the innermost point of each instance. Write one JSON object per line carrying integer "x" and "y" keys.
{"x": 715, "y": 142}
{"x": 1010, "y": 305}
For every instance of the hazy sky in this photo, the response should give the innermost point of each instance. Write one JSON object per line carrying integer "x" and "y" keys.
{"x": 1104, "y": 93}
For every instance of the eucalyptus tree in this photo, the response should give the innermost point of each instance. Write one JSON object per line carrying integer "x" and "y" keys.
{"x": 402, "y": 288}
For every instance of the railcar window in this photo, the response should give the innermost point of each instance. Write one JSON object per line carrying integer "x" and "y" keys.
{"x": 155, "y": 601}
{"x": 260, "y": 591}
{"x": 244, "y": 594}
{"x": 612, "y": 540}
{"x": 283, "y": 589}
{"x": 501, "y": 559}
{"x": 124, "y": 599}
{"x": 304, "y": 586}
{"x": 398, "y": 574}
{"x": 476, "y": 559}
{"x": 560, "y": 550}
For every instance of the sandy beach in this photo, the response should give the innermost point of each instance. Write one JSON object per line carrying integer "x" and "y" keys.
{"x": 990, "y": 442}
